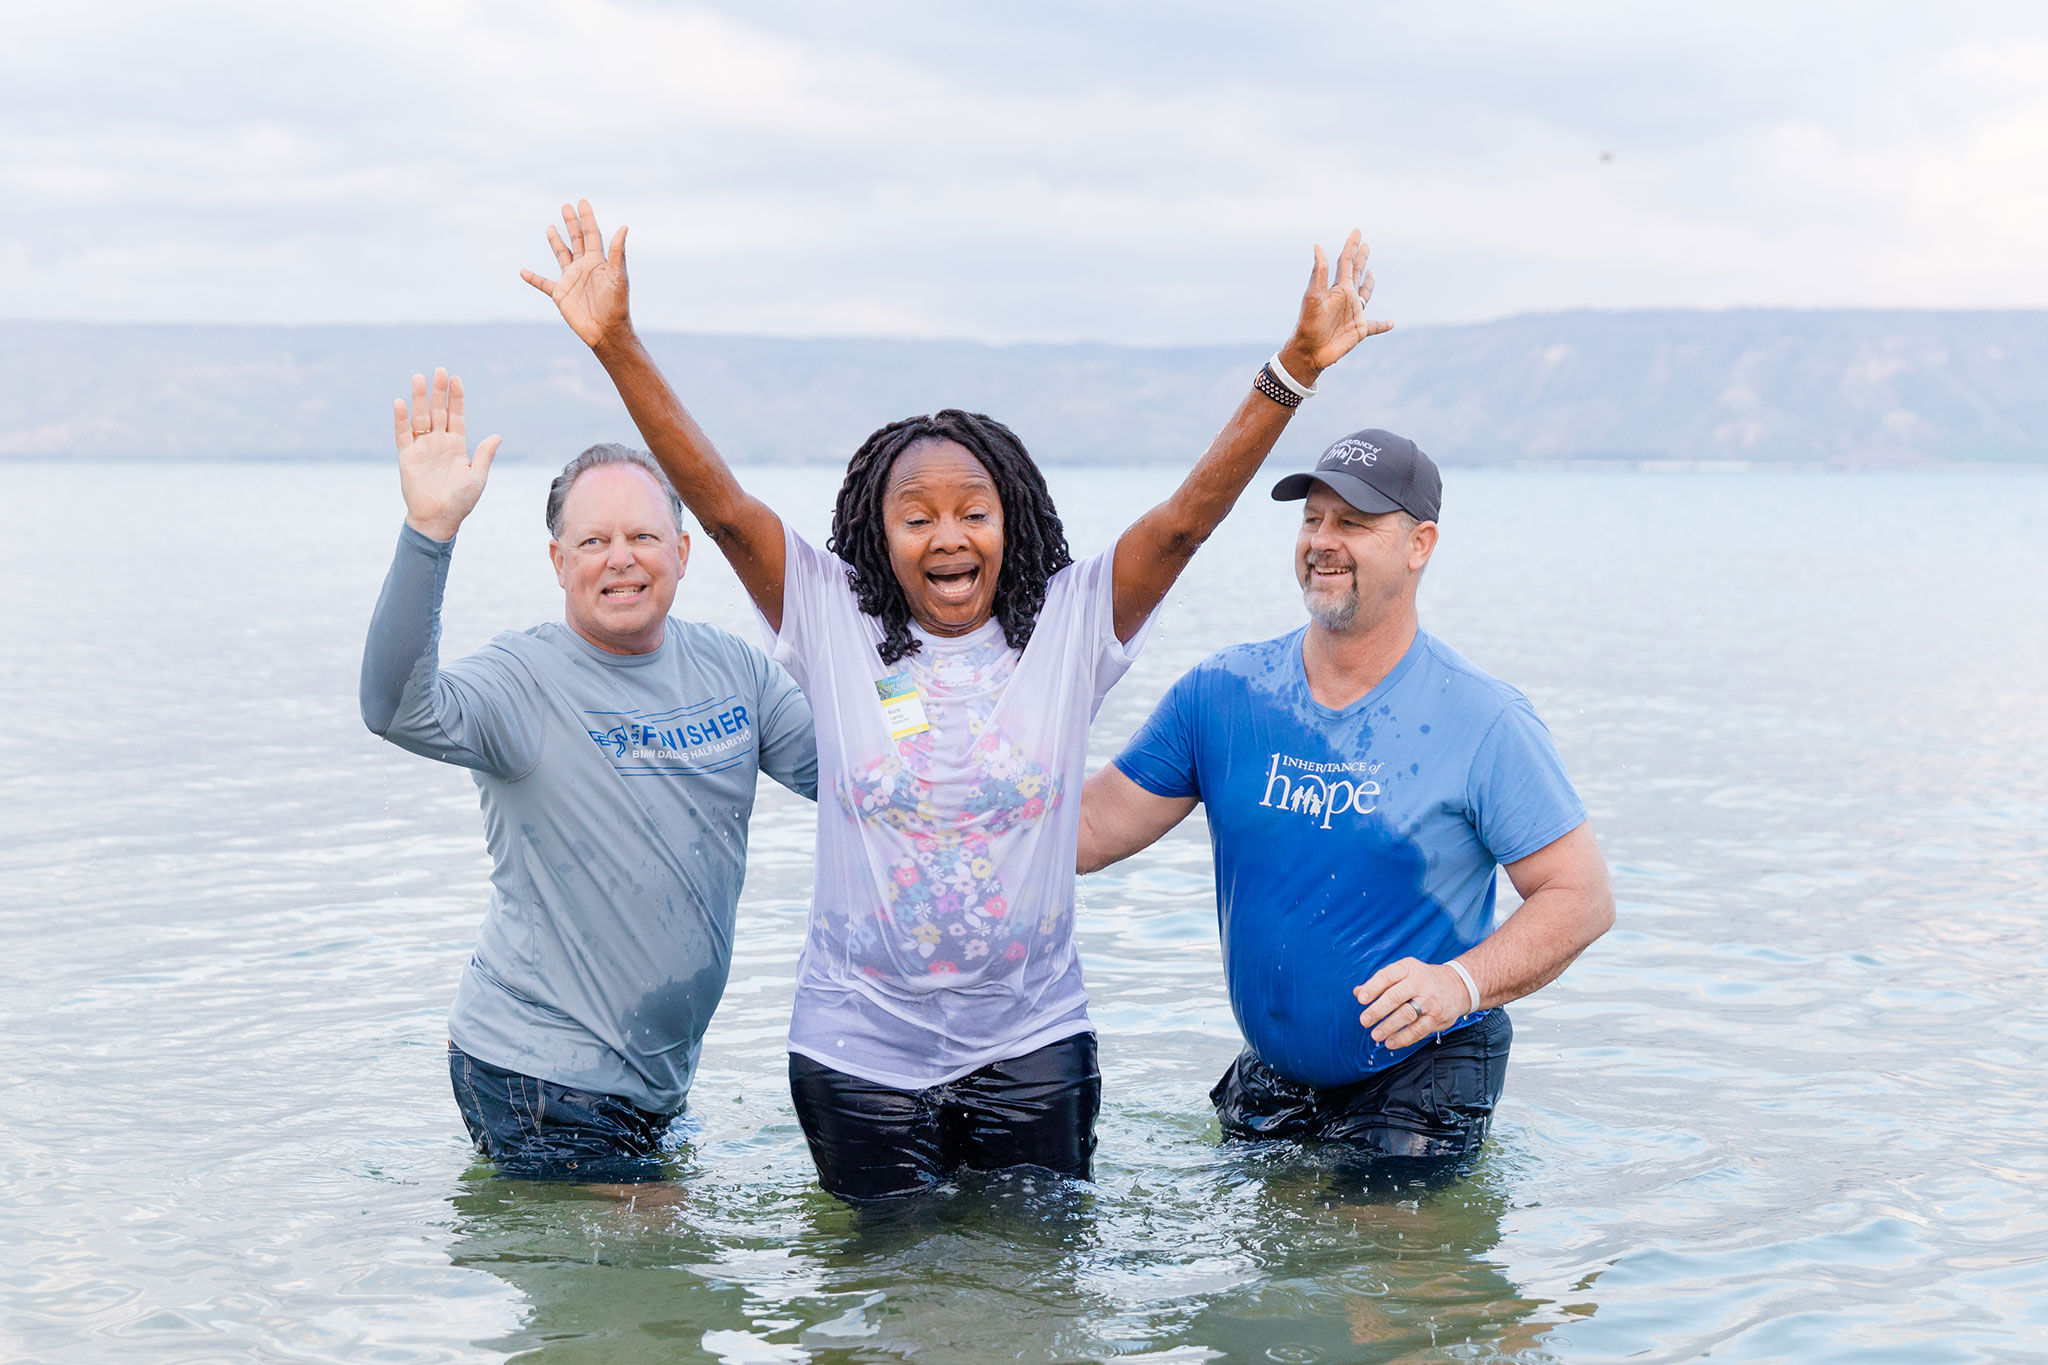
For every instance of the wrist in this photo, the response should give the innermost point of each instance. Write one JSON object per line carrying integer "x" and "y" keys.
{"x": 1466, "y": 984}
{"x": 1300, "y": 361}
{"x": 438, "y": 529}
{"x": 615, "y": 342}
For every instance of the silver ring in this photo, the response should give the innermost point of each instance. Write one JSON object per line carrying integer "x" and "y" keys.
{"x": 1418, "y": 1010}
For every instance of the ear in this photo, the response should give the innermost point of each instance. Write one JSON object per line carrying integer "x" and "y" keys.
{"x": 1421, "y": 545}
{"x": 555, "y": 558}
{"x": 682, "y": 553}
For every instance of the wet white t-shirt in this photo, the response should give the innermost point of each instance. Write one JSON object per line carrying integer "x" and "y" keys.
{"x": 942, "y": 915}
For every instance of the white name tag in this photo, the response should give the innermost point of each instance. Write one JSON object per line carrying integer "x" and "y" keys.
{"x": 902, "y": 706}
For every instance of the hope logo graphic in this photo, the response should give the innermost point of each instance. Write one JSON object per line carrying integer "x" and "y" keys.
{"x": 1321, "y": 791}
{"x": 1351, "y": 450}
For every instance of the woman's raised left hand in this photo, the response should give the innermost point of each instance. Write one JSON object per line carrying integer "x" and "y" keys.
{"x": 1332, "y": 313}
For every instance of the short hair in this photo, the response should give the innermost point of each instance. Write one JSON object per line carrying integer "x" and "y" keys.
{"x": 604, "y": 453}
{"x": 1034, "y": 541}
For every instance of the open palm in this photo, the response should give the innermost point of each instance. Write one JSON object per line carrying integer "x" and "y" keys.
{"x": 1333, "y": 310}
{"x": 592, "y": 290}
{"x": 439, "y": 478}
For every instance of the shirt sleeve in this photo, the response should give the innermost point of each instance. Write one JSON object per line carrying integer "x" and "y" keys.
{"x": 1519, "y": 795}
{"x": 473, "y": 712}
{"x": 814, "y": 587}
{"x": 1087, "y": 589}
{"x": 1161, "y": 756}
{"x": 788, "y": 740}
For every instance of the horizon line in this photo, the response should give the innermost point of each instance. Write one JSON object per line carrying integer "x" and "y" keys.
{"x": 961, "y": 339}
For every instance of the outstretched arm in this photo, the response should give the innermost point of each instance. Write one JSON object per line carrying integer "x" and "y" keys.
{"x": 591, "y": 295}
{"x": 1119, "y": 817}
{"x": 1151, "y": 554}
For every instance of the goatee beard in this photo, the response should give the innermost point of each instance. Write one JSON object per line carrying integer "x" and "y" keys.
{"x": 1331, "y": 611}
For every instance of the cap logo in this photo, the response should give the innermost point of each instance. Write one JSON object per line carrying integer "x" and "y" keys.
{"x": 1351, "y": 450}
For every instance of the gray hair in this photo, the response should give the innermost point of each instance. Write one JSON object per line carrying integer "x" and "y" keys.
{"x": 608, "y": 452}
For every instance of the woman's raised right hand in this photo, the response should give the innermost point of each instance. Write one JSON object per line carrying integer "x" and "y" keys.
{"x": 592, "y": 290}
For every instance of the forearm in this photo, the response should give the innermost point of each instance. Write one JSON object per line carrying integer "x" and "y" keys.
{"x": 1538, "y": 942}
{"x": 408, "y": 700}
{"x": 405, "y": 629}
{"x": 700, "y": 474}
{"x": 1221, "y": 475}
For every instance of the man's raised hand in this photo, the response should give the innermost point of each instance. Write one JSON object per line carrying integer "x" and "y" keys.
{"x": 1332, "y": 312}
{"x": 441, "y": 481}
{"x": 592, "y": 290}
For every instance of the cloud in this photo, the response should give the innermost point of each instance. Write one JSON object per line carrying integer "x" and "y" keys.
{"x": 1135, "y": 173}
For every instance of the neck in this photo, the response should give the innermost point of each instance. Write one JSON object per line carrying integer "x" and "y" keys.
{"x": 1343, "y": 666}
{"x": 644, "y": 643}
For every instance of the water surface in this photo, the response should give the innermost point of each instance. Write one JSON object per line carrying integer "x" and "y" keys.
{"x": 1788, "y": 1110}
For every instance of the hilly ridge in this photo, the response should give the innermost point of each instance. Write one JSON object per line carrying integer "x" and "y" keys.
{"x": 1760, "y": 386}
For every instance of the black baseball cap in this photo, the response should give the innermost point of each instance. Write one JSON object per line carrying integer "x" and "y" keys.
{"x": 1374, "y": 471}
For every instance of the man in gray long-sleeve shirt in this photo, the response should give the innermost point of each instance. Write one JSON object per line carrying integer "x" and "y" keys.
{"x": 616, "y": 753}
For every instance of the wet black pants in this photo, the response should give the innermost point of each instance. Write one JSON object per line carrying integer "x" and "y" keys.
{"x": 873, "y": 1142}
{"x": 1436, "y": 1103}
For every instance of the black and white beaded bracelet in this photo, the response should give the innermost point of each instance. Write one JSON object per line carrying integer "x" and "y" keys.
{"x": 1265, "y": 382}
{"x": 1280, "y": 386}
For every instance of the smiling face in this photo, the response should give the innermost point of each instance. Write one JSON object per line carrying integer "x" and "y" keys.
{"x": 618, "y": 558}
{"x": 945, "y": 527}
{"x": 1356, "y": 568}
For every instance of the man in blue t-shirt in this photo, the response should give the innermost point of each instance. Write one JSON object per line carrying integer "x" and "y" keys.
{"x": 1363, "y": 781}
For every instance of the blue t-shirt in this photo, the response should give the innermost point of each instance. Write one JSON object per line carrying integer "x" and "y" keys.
{"x": 1346, "y": 840}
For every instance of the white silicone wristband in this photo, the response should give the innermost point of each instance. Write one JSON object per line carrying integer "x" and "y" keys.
{"x": 1294, "y": 386}
{"x": 1470, "y": 984}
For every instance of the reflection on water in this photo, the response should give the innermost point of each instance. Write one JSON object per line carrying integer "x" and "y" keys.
{"x": 1273, "y": 1252}
{"x": 1789, "y": 1109}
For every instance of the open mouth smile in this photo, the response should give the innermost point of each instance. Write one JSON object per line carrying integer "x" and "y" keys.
{"x": 953, "y": 585}
{"x": 624, "y": 592}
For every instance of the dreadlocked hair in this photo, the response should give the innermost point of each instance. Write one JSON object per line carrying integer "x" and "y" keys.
{"x": 1034, "y": 542}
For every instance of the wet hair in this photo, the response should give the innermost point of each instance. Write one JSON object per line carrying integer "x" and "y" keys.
{"x": 607, "y": 452}
{"x": 1034, "y": 541}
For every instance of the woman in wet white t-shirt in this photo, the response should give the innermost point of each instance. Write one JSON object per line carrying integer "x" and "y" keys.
{"x": 954, "y": 654}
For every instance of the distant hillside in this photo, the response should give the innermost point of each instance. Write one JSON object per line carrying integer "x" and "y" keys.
{"x": 1757, "y": 385}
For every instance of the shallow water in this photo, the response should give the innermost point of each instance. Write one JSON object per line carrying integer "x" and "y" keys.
{"x": 1787, "y": 1110}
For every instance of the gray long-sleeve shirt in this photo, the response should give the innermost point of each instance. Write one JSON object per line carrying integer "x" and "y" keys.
{"x": 616, "y": 790}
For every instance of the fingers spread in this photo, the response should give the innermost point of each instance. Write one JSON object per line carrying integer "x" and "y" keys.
{"x": 1351, "y": 262}
{"x": 546, "y": 286}
{"x": 401, "y": 422}
{"x": 574, "y": 230}
{"x": 455, "y": 403}
{"x": 586, "y": 218}
{"x": 485, "y": 453}
{"x": 440, "y": 401}
{"x": 617, "y": 255}
{"x": 422, "y": 420}
{"x": 1319, "y": 274}
{"x": 1373, "y": 329}
{"x": 1365, "y": 283}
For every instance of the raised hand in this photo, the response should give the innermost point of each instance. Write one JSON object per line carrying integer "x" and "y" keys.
{"x": 1332, "y": 312}
{"x": 592, "y": 290}
{"x": 441, "y": 481}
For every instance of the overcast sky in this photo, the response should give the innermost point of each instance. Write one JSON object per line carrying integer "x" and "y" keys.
{"x": 1138, "y": 173}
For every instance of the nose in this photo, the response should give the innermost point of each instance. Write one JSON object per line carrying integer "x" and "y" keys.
{"x": 949, "y": 534}
{"x": 619, "y": 554}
